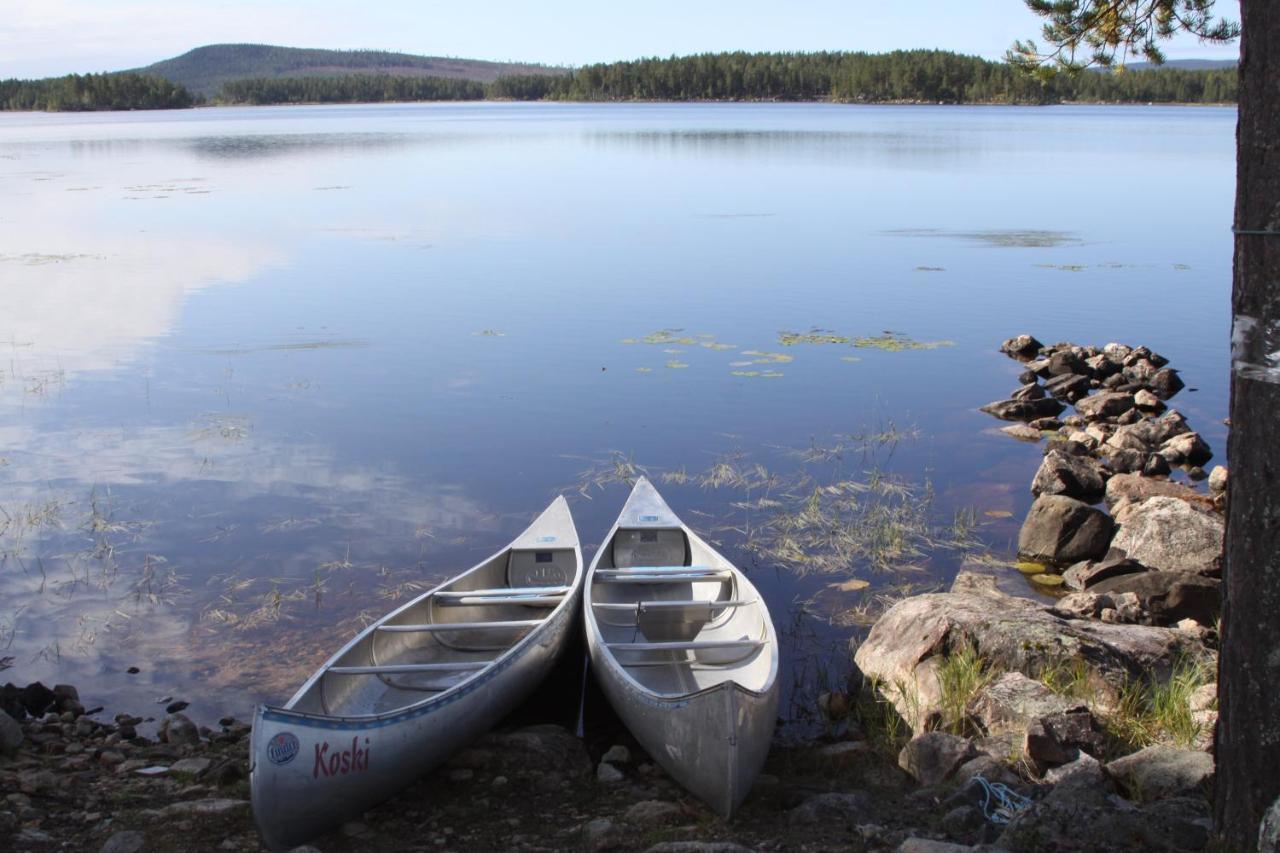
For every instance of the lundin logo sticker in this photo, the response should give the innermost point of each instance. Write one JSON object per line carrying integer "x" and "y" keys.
{"x": 283, "y": 748}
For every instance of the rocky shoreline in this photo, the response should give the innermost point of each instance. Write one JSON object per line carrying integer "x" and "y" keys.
{"x": 978, "y": 720}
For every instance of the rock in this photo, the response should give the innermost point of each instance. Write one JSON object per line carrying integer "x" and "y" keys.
{"x": 1065, "y": 362}
{"x": 111, "y": 758}
{"x": 1136, "y": 488}
{"x": 976, "y": 582}
{"x": 1022, "y": 432}
{"x": 1012, "y": 701}
{"x": 608, "y": 774}
{"x": 1022, "y": 346}
{"x": 10, "y": 735}
{"x": 1082, "y": 605}
{"x": 1164, "y": 383}
{"x": 1086, "y": 573}
{"x": 903, "y": 649}
{"x": 129, "y": 841}
{"x": 1156, "y": 466}
{"x": 617, "y": 754}
{"x": 654, "y": 813}
{"x": 1059, "y": 529}
{"x": 832, "y": 808}
{"x": 1024, "y": 410}
{"x": 1046, "y": 424}
{"x": 929, "y": 845}
{"x": 1126, "y": 461}
{"x": 206, "y": 808}
{"x": 36, "y": 698}
{"x": 533, "y": 746}
{"x": 175, "y": 707}
{"x": 1169, "y": 596}
{"x": 1204, "y": 697}
{"x": 834, "y": 705}
{"x": 1028, "y": 377}
{"x": 177, "y": 729}
{"x": 1084, "y": 770}
{"x": 962, "y": 821}
{"x": 596, "y": 833}
{"x": 1147, "y": 402}
{"x": 1269, "y": 831}
{"x": 987, "y": 767}
{"x": 1106, "y": 404}
{"x": 354, "y": 829}
{"x": 1069, "y": 387}
{"x": 1168, "y": 534}
{"x": 1163, "y": 771}
{"x": 1060, "y": 738}
{"x": 697, "y": 847}
{"x": 1131, "y": 437}
{"x": 1195, "y": 472}
{"x": 843, "y": 753}
{"x": 191, "y": 766}
{"x": 1187, "y": 448}
{"x": 1073, "y": 476}
{"x": 1218, "y": 479}
{"x": 1030, "y": 391}
{"x": 934, "y": 757}
{"x": 1101, "y": 366}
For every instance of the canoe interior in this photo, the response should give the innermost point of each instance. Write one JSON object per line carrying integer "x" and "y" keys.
{"x": 341, "y": 694}
{"x": 699, "y": 619}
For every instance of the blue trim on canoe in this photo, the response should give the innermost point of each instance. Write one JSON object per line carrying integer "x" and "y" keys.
{"x": 466, "y": 688}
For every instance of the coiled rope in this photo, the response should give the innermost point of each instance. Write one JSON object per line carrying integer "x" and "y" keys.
{"x": 1000, "y": 804}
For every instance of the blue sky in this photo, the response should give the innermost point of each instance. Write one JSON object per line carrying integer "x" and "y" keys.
{"x": 47, "y": 37}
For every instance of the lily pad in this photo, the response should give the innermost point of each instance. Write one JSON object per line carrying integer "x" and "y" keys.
{"x": 769, "y": 357}
{"x": 852, "y": 585}
{"x": 897, "y": 342}
{"x": 813, "y": 336}
{"x": 675, "y": 364}
{"x": 1045, "y": 579}
{"x": 1029, "y": 568}
{"x": 644, "y": 370}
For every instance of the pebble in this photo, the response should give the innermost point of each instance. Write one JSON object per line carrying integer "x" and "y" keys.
{"x": 175, "y": 707}
{"x": 192, "y": 766}
{"x": 608, "y": 773}
{"x": 617, "y": 754}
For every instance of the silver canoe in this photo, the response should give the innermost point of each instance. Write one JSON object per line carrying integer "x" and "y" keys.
{"x": 416, "y": 686}
{"x": 684, "y": 648}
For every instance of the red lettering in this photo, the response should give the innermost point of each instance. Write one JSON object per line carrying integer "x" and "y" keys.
{"x": 345, "y": 767}
{"x": 353, "y": 760}
{"x": 319, "y": 769}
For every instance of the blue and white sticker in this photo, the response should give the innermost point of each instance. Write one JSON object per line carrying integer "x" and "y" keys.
{"x": 283, "y": 748}
{"x": 546, "y": 539}
{"x": 650, "y": 518}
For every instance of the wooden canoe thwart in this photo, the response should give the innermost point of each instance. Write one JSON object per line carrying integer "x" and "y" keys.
{"x": 684, "y": 648}
{"x": 416, "y": 686}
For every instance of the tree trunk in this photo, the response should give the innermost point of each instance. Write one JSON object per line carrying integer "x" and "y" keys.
{"x": 1248, "y": 736}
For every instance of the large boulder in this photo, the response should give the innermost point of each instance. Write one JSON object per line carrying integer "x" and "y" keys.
{"x": 1060, "y": 738}
{"x": 1013, "y": 701}
{"x": 934, "y": 757}
{"x": 1169, "y": 534}
{"x": 1165, "y": 383}
{"x": 1164, "y": 771}
{"x": 1059, "y": 529}
{"x": 906, "y": 646}
{"x": 1022, "y": 346}
{"x": 1068, "y": 386}
{"x": 1076, "y": 477}
{"x": 1187, "y": 448}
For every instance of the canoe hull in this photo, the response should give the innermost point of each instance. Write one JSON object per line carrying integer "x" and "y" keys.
{"x": 714, "y": 743}
{"x": 311, "y": 773}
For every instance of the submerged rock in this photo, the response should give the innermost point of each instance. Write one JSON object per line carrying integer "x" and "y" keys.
{"x": 1106, "y": 404}
{"x": 1021, "y": 346}
{"x": 1024, "y": 410}
{"x": 1059, "y": 529}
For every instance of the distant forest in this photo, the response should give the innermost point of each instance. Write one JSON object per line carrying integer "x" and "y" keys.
{"x": 926, "y": 76}
{"x": 93, "y": 92}
{"x": 917, "y": 76}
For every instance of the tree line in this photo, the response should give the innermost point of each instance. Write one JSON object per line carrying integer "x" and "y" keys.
{"x": 76, "y": 92}
{"x": 929, "y": 76}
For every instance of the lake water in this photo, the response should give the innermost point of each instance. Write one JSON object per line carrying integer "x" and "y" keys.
{"x": 267, "y": 371}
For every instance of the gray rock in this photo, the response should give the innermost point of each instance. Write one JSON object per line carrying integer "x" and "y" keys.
{"x": 1087, "y": 573}
{"x": 617, "y": 754}
{"x": 934, "y": 757}
{"x": 1269, "y": 830}
{"x": 532, "y": 746}
{"x": 1085, "y": 770}
{"x": 1021, "y": 346}
{"x": 1204, "y": 697}
{"x": 1066, "y": 361}
{"x": 597, "y": 833}
{"x": 1156, "y": 466}
{"x": 1169, "y": 534}
{"x": 1074, "y": 476}
{"x": 177, "y": 729}
{"x": 1059, "y": 529}
{"x": 987, "y": 767}
{"x": 1046, "y": 424}
{"x": 1101, "y": 366}
{"x": 1124, "y": 461}
{"x": 1060, "y": 738}
{"x": 930, "y": 845}
{"x": 654, "y": 813}
{"x": 1131, "y": 437}
{"x": 1105, "y": 404}
{"x": 1024, "y": 410}
{"x": 208, "y": 807}
{"x": 1186, "y": 449}
{"x": 129, "y": 841}
{"x": 1082, "y": 605}
{"x": 191, "y": 766}
{"x": 1169, "y": 597}
{"x": 962, "y": 821}
{"x": 10, "y": 734}
{"x": 1117, "y": 352}
{"x": 608, "y": 774}
{"x": 831, "y": 808}
{"x": 1012, "y": 701}
{"x": 903, "y": 649}
{"x": 1218, "y": 479}
{"x": 1022, "y": 432}
{"x": 1147, "y": 402}
{"x": 1030, "y": 391}
{"x": 1163, "y": 771}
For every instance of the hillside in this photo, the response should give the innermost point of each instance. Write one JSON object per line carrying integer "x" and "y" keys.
{"x": 205, "y": 69}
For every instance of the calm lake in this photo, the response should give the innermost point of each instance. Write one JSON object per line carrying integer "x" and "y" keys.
{"x": 268, "y": 371}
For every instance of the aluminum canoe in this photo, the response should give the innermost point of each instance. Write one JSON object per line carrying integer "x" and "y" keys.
{"x": 684, "y": 649}
{"x": 416, "y": 686}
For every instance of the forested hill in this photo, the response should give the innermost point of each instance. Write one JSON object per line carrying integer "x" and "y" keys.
{"x": 206, "y": 69}
{"x": 82, "y": 92}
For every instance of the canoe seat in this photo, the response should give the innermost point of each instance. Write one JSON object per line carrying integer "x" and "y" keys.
{"x": 695, "y": 605}
{"x": 653, "y": 576}
{"x": 547, "y": 596}
{"x": 650, "y": 547}
{"x": 631, "y": 654}
{"x": 434, "y": 627}
{"x": 686, "y": 645}
{"x": 404, "y": 668}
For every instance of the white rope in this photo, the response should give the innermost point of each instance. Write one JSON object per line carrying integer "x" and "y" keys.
{"x": 1000, "y": 804}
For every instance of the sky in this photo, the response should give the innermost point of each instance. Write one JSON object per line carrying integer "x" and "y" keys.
{"x": 41, "y": 38}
